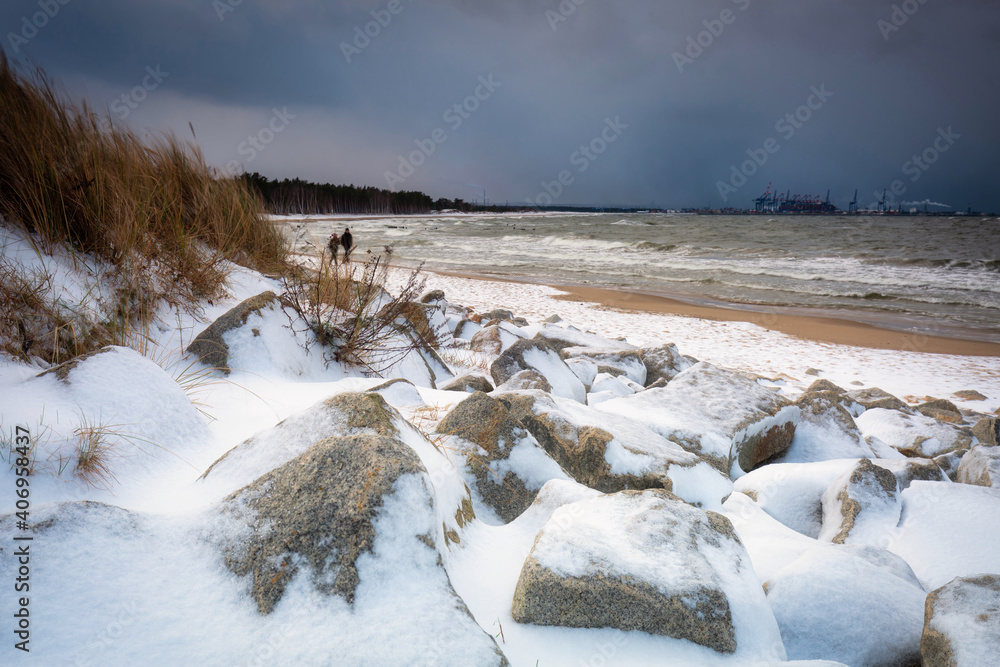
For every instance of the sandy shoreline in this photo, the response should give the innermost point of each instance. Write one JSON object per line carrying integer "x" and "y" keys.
{"x": 824, "y": 329}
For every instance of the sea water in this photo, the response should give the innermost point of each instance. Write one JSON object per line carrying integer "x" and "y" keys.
{"x": 931, "y": 274}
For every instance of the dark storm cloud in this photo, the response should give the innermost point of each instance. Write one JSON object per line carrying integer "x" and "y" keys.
{"x": 565, "y": 70}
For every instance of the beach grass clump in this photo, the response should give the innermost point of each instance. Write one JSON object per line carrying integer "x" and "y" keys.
{"x": 162, "y": 224}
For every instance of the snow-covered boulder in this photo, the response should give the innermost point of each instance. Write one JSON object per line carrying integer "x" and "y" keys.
{"x": 211, "y": 346}
{"x": 538, "y": 356}
{"x": 861, "y": 505}
{"x": 941, "y": 409}
{"x": 465, "y": 329}
{"x": 950, "y": 462}
{"x": 610, "y": 453}
{"x": 469, "y": 383}
{"x": 647, "y": 561}
{"x": 506, "y": 464}
{"x": 722, "y": 416}
{"x": 962, "y": 623}
{"x": 980, "y": 466}
{"x": 606, "y": 387}
{"x": 910, "y": 470}
{"x": 344, "y": 515}
{"x": 987, "y": 430}
{"x": 495, "y": 338}
{"x": 585, "y": 369}
{"x": 399, "y": 393}
{"x": 560, "y": 338}
{"x": 912, "y": 434}
{"x": 947, "y": 531}
{"x": 612, "y": 361}
{"x": 663, "y": 363}
{"x": 825, "y": 431}
{"x": 527, "y": 379}
{"x": 859, "y": 605}
{"x": 874, "y": 397}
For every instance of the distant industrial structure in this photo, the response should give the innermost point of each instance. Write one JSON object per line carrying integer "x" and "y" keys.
{"x": 774, "y": 202}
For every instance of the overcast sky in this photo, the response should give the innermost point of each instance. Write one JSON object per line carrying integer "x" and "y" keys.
{"x": 631, "y": 102}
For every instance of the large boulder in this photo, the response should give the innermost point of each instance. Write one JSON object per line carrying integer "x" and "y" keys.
{"x": 861, "y": 505}
{"x": 611, "y": 453}
{"x": 559, "y": 338}
{"x": 874, "y": 397}
{"x": 962, "y": 623}
{"x": 612, "y": 361}
{"x": 940, "y": 409}
{"x": 859, "y": 605}
{"x": 537, "y": 355}
{"x": 912, "y": 434}
{"x": 825, "y": 431}
{"x": 319, "y": 509}
{"x": 506, "y": 463}
{"x": 646, "y": 561}
{"x": 987, "y": 430}
{"x": 663, "y": 363}
{"x": 210, "y": 345}
{"x": 495, "y": 338}
{"x": 529, "y": 379}
{"x": 722, "y": 416}
{"x": 468, "y": 383}
{"x": 980, "y": 466}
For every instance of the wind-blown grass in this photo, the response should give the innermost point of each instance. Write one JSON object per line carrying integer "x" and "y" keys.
{"x": 151, "y": 211}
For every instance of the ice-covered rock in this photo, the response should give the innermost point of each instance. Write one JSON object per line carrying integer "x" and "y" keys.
{"x": 980, "y": 466}
{"x": 962, "y": 623}
{"x": 947, "y": 531}
{"x": 722, "y": 416}
{"x": 861, "y": 506}
{"x": 606, "y": 387}
{"x": 859, "y": 605}
{"x": 585, "y": 369}
{"x": 912, "y": 434}
{"x": 874, "y": 397}
{"x": 825, "y": 431}
{"x": 612, "y": 361}
{"x": 539, "y": 356}
{"x": 663, "y": 363}
{"x": 559, "y": 338}
{"x": 644, "y": 560}
{"x": 527, "y": 379}
{"x": 610, "y": 453}
{"x": 506, "y": 463}
{"x": 987, "y": 431}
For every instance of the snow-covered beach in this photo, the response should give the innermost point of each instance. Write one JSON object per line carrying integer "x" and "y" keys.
{"x": 149, "y": 570}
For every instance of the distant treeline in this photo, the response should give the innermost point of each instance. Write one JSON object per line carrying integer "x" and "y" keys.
{"x": 298, "y": 197}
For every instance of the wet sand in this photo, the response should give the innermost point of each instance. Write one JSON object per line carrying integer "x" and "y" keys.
{"x": 825, "y": 329}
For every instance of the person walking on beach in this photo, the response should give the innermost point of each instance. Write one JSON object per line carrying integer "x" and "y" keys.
{"x": 347, "y": 241}
{"x": 334, "y": 245}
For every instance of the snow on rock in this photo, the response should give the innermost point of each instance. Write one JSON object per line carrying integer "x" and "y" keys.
{"x": 505, "y": 462}
{"x": 722, "y": 416}
{"x": 527, "y": 379}
{"x": 469, "y": 383}
{"x": 859, "y": 605}
{"x": 585, "y": 369}
{"x": 792, "y": 493}
{"x": 645, "y": 560}
{"x": 539, "y": 356}
{"x": 607, "y": 387}
{"x": 421, "y": 365}
{"x": 771, "y": 544}
{"x": 399, "y": 393}
{"x": 980, "y": 466}
{"x": 611, "y": 453}
{"x": 912, "y": 434}
{"x": 947, "y": 531}
{"x": 908, "y": 470}
{"x": 826, "y": 431}
{"x": 496, "y": 338}
{"x": 613, "y": 361}
{"x": 663, "y": 363}
{"x": 465, "y": 329}
{"x": 861, "y": 506}
{"x": 987, "y": 431}
{"x": 560, "y": 338}
{"x": 962, "y": 623}
{"x": 873, "y": 397}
